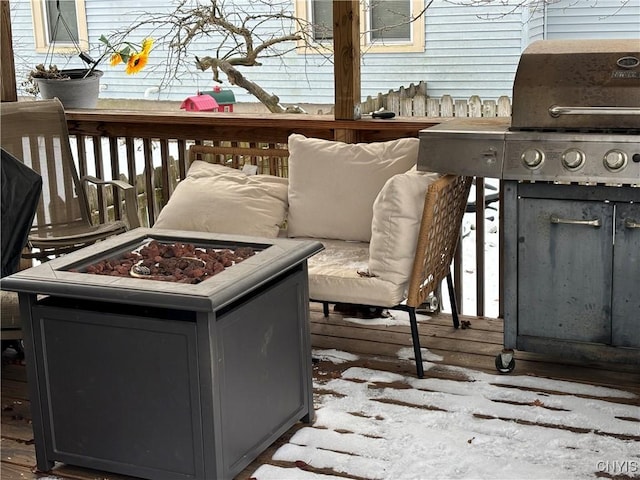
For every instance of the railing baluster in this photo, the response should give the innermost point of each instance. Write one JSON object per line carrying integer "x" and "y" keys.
{"x": 115, "y": 175}
{"x": 145, "y": 133}
{"x": 479, "y": 246}
{"x": 130, "y": 150}
{"x": 149, "y": 186}
{"x": 457, "y": 275}
{"x": 166, "y": 180}
{"x": 99, "y": 168}
{"x": 82, "y": 155}
{"x": 182, "y": 159}
{"x": 500, "y": 250}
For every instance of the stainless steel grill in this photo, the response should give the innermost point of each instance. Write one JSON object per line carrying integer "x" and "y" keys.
{"x": 570, "y": 161}
{"x": 576, "y": 118}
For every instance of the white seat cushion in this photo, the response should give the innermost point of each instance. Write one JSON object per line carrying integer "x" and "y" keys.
{"x": 332, "y": 185}
{"x": 334, "y": 277}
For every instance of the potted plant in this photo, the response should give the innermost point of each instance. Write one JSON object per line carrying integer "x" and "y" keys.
{"x": 75, "y": 88}
{"x": 80, "y": 87}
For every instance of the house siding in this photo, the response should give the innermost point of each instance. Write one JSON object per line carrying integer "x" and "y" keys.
{"x": 536, "y": 25}
{"x": 471, "y": 51}
{"x": 594, "y": 19}
{"x": 468, "y": 51}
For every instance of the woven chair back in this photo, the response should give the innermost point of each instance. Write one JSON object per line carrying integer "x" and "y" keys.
{"x": 444, "y": 206}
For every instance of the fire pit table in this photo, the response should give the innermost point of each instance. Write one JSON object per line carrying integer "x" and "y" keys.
{"x": 161, "y": 379}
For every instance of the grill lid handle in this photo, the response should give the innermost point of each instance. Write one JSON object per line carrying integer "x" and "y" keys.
{"x": 555, "y": 111}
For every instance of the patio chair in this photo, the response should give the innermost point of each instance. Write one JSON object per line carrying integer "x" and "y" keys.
{"x": 36, "y": 133}
{"x": 333, "y": 277}
{"x": 444, "y": 206}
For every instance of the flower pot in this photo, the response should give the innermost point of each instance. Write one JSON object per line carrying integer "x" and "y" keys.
{"x": 74, "y": 92}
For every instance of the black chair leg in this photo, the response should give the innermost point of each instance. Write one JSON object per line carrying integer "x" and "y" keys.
{"x": 325, "y": 308}
{"x": 452, "y": 299}
{"x": 416, "y": 341}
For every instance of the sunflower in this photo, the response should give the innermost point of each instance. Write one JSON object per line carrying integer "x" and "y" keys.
{"x": 116, "y": 59}
{"x": 136, "y": 62}
{"x": 147, "y": 43}
{"x": 134, "y": 56}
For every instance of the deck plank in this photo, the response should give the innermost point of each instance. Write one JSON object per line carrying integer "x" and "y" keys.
{"x": 16, "y": 419}
{"x": 474, "y": 347}
{"x": 451, "y": 355}
{"x": 14, "y": 389}
{"x": 17, "y": 453}
{"x": 9, "y": 471}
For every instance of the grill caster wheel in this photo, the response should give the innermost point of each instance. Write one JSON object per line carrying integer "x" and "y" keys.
{"x": 505, "y": 363}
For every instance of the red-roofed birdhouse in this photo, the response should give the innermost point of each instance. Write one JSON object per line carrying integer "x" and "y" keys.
{"x": 200, "y": 103}
{"x": 225, "y": 98}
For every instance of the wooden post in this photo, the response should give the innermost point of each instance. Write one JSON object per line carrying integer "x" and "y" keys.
{"x": 346, "y": 49}
{"x": 7, "y": 67}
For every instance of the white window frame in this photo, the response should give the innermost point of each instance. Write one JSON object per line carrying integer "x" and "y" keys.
{"x": 40, "y": 30}
{"x": 304, "y": 10}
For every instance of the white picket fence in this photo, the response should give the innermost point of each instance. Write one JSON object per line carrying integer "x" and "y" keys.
{"x": 413, "y": 101}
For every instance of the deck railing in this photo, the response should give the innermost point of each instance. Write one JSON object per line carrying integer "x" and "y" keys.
{"x": 150, "y": 149}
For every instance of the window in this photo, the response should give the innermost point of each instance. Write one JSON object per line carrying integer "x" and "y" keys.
{"x": 386, "y": 25}
{"x": 390, "y": 21}
{"x": 64, "y": 34}
{"x": 322, "y": 20}
{"x": 62, "y": 28}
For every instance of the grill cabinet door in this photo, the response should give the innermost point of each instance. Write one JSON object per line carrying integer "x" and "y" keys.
{"x": 626, "y": 276}
{"x": 564, "y": 275}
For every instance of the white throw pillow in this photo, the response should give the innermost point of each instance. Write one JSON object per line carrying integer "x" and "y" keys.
{"x": 215, "y": 198}
{"x": 332, "y": 185}
{"x": 397, "y": 213}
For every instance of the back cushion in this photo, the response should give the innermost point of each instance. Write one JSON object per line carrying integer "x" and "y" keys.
{"x": 397, "y": 214}
{"x": 215, "y": 198}
{"x": 332, "y": 185}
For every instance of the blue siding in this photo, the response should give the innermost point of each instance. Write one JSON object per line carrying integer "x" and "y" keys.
{"x": 594, "y": 19}
{"x": 536, "y": 25}
{"x": 468, "y": 50}
{"x": 471, "y": 51}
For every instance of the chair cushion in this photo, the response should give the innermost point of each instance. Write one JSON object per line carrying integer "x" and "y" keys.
{"x": 10, "y": 309}
{"x": 336, "y": 275}
{"x": 10, "y": 316}
{"x": 332, "y": 185}
{"x": 215, "y": 198}
{"x": 397, "y": 214}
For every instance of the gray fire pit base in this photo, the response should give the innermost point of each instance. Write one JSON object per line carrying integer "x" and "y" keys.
{"x": 161, "y": 393}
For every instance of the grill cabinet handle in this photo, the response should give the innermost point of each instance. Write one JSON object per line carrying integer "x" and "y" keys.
{"x": 631, "y": 223}
{"x": 556, "y": 111}
{"x": 592, "y": 223}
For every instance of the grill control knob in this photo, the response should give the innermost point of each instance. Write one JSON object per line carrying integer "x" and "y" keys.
{"x": 532, "y": 158}
{"x": 573, "y": 159}
{"x": 615, "y": 159}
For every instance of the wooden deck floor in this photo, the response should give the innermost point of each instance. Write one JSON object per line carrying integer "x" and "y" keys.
{"x": 376, "y": 346}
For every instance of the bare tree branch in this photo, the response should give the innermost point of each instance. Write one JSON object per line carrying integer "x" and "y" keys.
{"x": 239, "y": 35}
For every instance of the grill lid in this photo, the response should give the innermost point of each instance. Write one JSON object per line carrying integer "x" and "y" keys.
{"x": 578, "y": 85}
